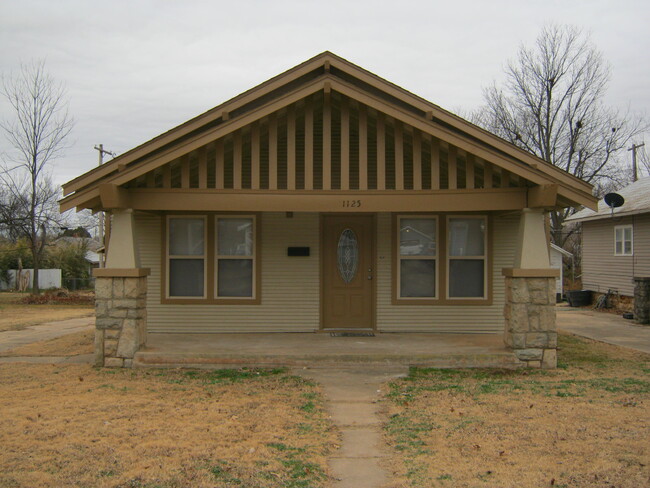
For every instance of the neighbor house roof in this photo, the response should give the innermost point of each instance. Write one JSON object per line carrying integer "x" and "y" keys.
{"x": 324, "y": 71}
{"x": 637, "y": 201}
{"x": 564, "y": 252}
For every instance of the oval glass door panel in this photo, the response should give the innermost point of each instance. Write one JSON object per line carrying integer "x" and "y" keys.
{"x": 348, "y": 255}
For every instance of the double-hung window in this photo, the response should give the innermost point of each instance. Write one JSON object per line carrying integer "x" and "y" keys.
{"x": 418, "y": 256}
{"x": 441, "y": 260}
{"x": 211, "y": 259}
{"x": 466, "y": 257}
{"x": 623, "y": 240}
{"x": 235, "y": 257}
{"x": 186, "y": 254}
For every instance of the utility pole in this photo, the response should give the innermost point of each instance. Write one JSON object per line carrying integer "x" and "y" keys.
{"x": 102, "y": 151}
{"x": 633, "y": 149}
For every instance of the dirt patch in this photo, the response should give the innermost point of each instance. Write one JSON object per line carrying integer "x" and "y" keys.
{"x": 67, "y": 345}
{"x": 15, "y": 315}
{"x": 78, "y": 426}
{"x": 583, "y": 425}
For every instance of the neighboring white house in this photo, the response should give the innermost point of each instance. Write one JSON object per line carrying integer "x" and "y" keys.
{"x": 47, "y": 278}
{"x": 557, "y": 253}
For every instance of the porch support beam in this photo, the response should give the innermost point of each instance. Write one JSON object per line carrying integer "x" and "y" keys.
{"x": 542, "y": 196}
{"x": 113, "y": 196}
{"x": 122, "y": 250}
{"x": 532, "y": 242}
{"x": 332, "y": 201}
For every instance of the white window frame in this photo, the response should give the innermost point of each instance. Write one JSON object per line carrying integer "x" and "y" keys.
{"x": 399, "y": 257}
{"x": 169, "y": 257}
{"x": 218, "y": 257}
{"x": 622, "y": 229}
{"x": 484, "y": 257}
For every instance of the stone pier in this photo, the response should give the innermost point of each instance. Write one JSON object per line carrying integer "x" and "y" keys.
{"x": 530, "y": 320}
{"x": 121, "y": 316}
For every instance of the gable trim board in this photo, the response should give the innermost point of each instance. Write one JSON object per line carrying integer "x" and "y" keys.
{"x": 379, "y": 94}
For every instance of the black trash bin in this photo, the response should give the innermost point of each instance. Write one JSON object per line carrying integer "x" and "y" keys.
{"x": 579, "y": 298}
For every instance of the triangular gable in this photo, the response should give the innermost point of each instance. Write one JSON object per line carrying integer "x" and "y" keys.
{"x": 291, "y": 102}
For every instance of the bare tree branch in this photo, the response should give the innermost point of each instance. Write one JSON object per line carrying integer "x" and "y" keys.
{"x": 37, "y": 133}
{"x": 551, "y": 105}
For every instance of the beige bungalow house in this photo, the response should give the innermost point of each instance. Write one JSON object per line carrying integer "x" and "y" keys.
{"x": 326, "y": 199}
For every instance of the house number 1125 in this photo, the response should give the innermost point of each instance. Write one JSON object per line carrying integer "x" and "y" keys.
{"x": 351, "y": 203}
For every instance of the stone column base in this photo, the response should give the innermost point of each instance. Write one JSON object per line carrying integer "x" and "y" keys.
{"x": 529, "y": 314}
{"x": 642, "y": 300}
{"x": 120, "y": 316}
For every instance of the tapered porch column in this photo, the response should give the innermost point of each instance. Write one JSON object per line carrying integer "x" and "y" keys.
{"x": 120, "y": 296}
{"x": 529, "y": 310}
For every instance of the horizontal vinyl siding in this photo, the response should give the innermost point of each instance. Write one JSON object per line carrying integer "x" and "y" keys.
{"x": 449, "y": 318}
{"x": 601, "y": 270}
{"x": 290, "y": 285}
{"x": 556, "y": 262}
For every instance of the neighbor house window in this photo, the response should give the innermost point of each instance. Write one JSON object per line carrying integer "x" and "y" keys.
{"x": 417, "y": 257}
{"x": 235, "y": 257}
{"x": 186, "y": 259}
{"x": 623, "y": 239}
{"x": 466, "y": 257}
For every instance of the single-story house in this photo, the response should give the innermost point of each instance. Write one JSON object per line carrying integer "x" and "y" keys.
{"x": 326, "y": 199}
{"x": 616, "y": 243}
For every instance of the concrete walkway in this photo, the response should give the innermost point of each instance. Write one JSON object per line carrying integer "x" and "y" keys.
{"x": 43, "y": 332}
{"x": 604, "y": 327}
{"x": 352, "y": 396}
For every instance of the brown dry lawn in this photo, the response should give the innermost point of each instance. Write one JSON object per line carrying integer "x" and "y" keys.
{"x": 586, "y": 424}
{"x": 15, "y": 316}
{"x": 68, "y": 345}
{"x": 75, "y": 425}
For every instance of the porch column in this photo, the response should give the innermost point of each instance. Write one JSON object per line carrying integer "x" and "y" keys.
{"x": 529, "y": 310}
{"x": 120, "y": 297}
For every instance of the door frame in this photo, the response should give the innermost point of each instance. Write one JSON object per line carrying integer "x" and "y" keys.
{"x": 373, "y": 259}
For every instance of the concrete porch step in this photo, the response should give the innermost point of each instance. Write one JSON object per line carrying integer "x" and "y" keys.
{"x": 157, "y": 359}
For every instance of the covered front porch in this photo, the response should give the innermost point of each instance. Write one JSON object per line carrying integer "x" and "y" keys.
{"x": 322, "y": 350}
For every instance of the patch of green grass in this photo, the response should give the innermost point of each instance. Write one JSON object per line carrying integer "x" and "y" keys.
{"x": 444, "y": 477}
{"x": 222, "y": 473}
{"x": 409, "y": 431}
{"x": 300, "y": 473}
{"x": 280, "y": 446}
{"x": 308, "y": 407}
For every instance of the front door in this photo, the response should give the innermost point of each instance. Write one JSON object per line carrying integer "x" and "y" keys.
{"x": 348, "y": 271}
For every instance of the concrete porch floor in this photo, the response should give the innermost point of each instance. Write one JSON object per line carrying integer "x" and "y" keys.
{"x": 320, "y": 350}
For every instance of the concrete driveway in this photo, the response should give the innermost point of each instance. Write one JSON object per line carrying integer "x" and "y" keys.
{"x": 604, "y": 327}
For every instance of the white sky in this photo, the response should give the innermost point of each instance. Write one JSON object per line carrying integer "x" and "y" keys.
{"x": 136, "y": 68}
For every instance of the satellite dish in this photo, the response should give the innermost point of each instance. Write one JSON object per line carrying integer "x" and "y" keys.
{"x": 614, "y": 200}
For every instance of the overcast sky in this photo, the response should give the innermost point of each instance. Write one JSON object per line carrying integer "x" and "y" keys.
{"x": 135, "y": 69}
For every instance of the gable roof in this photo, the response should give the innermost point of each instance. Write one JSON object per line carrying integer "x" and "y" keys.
{"x": 329, "y": 72}
{"x": 637, "y": 201}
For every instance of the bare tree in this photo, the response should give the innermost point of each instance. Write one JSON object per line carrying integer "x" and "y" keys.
{"x": 37, "y": 135}
{"x": 551, "y": 105}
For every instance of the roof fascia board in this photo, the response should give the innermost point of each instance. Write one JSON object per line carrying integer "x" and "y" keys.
{"x": 171, "y": 154}
{"x": 195, "y": 123}
{"x": 535, "y": 175}
{"x": 232, "y": 125}
{"x": 592, "y": 218}
{"x": 453, "y": 120}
